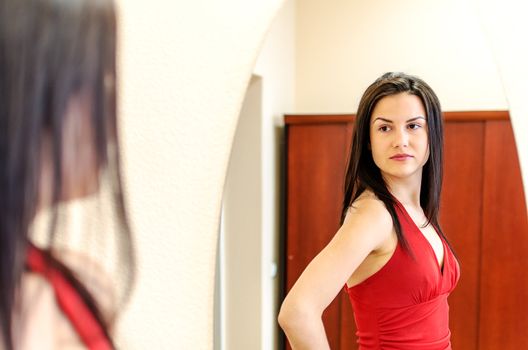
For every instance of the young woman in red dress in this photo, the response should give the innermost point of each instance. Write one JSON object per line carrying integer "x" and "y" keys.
{"x": 390, "y": 254}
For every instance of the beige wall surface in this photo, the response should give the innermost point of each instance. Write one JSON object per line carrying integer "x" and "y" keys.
{"x": 276, "y": 67}
{"x": 241, "y": 230}
{"x": 184, "y": 67}
{"x": 342, "y": 48}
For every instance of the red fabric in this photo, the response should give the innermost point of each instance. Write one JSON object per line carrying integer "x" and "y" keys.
{"x": 404, "y": 305}
{"x": 70, "y": 301}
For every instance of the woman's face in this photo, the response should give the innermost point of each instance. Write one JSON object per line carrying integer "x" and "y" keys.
{"x": 399, "y": 137}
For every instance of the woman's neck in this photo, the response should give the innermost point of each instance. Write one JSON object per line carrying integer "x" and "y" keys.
{"x": 406, "y": 190}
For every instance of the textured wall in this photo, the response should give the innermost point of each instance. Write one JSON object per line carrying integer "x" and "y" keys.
{"x": 276, "y": 67}
{"x": 184, "y": 69}
{"x": 342, "y": 48}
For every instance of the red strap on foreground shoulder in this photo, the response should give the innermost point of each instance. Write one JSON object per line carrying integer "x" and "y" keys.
{"x": 71, "y": 303}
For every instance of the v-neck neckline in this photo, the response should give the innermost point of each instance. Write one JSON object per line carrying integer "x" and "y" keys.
{"x": 441, "y": 269}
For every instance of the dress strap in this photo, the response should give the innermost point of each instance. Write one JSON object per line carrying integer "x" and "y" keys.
{"x": 70, "y": 301}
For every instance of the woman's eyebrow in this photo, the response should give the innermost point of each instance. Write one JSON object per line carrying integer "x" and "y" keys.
{"x": 390, "y": 121}
{"x": 416, "y": 118}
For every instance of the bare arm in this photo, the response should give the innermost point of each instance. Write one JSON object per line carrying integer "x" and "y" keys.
{"x": 365, "y": 228}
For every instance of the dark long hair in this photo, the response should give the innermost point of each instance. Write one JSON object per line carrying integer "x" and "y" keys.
{"x": 363, "y": 173}
{"x": 50, "y": 50}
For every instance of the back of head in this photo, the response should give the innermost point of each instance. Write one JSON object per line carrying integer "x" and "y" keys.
{"x": 51, "y": 52}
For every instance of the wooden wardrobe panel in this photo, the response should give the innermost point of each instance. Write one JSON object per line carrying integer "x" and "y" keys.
{"x": 504, "y": 281}
{"x": 460, "y": 218}
{"x": 348, "y": 325}
{"x": 315, "y": 171}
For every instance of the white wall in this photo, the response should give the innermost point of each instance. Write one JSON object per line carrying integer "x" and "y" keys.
{"x": 276, "y": 67}
{"x": 343, "y": 48}
{"x": 241, "y": 232}
{"x": 184, "y": 67}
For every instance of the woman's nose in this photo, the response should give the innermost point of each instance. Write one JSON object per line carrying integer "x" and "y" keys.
{"x": 401, "y": 138}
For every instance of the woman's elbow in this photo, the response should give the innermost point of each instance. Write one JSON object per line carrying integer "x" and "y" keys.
{"x": 284, "y": 316}
{"x": 292, "y": 314}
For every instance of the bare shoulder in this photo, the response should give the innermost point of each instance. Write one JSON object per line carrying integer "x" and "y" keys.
{"x": 369, "y": 216}
{"x": 369, "y": 207}
{"x": 40, "y": 323}
{"x": 94, "y": 278}
{"x": 35, "y": 320}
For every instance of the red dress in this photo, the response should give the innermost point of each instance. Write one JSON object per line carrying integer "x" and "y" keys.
{"x": 404, "y": 305}
{"x": 91, "y": 332}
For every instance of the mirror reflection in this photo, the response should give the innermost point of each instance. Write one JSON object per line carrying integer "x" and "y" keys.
{"x": 285, "y": 185}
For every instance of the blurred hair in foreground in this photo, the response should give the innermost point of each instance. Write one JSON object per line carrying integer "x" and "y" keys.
{"x": 59, "y": 143}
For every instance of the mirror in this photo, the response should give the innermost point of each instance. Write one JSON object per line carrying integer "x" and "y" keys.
{"x": 317, "y": 59}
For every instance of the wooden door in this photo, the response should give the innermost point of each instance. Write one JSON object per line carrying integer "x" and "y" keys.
{"x": 461, "y": 220}
{"x": 483, "y": 212}
{"x": 316, "y": 158}
{"x": 503, "y": 298}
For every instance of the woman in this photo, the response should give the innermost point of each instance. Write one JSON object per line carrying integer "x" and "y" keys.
{"x": 58, "y": 143}
{"x": 390, "y": 253}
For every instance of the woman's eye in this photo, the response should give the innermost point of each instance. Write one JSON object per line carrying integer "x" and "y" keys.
{"x": 414, "y": 126}
{"x": 384, "y": 128}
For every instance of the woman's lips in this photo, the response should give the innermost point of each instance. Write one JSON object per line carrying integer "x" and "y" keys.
{"x": 400, "y": 157}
